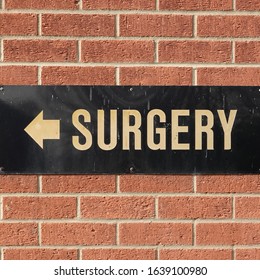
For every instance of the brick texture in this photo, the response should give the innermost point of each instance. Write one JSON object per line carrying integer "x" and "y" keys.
{"x": 78, "y": 234}
{"x": 118, "y": 51}
{"x": 39, "y": 207}
{"x": 155, "y": 75}
{"x": 229, "y": 26}
{"x": 44, "y": 5}
{"x": 228, "y": 234}
{"x": 155, "y": 25}
{"x": 229, "y": 76}
{"x": 71, "y": 75}
{"x": 251, "y": 5}
{"x": 78, "y": 25}
{"x": 129, "y": 43}
{"x": 117, "y": 207}
{"x": 18, "y": 234}
{"x": 40, "y": 254}
{"x": 18, "y": 24}
{"x": 195, "y": 207}
{"x": 192, "y": 51}
{"x": 118, "y": 254}
{"x": 119, "y": 5}
{"x": 195, "y": 254}
{"x": 155, "y": 184}
{"x": 39, "y": 50}
{"x": 78, "y": 184}
{"x": 247, "y": 207}
{"x": 248, "y": 52}
{"x": 155, "y": 233}
{"x": 196, "y": 5}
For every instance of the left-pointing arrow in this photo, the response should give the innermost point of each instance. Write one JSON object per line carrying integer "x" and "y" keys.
{"x": 40, "y": 129}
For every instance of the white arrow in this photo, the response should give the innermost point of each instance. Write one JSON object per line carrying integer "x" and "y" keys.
{"x": 40, "y": 129}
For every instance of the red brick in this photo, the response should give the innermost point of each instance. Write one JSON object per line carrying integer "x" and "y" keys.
{"x": 250, "y": 5}
{"x": 18, "y": 75}
{"x": 39, "y": 207}
{"x": 155, "y": 76}
{"x": 78, "y": 75}
{"x": 18, "y": 234}
{"x": 78, "y": 184}
{"x": 41, "y": 5}
{"x": 18, "y": 24}
{"x": 40, "y": 254}
{"x": 196, "y": 5}
{"x": 248, "y": 52}
{"x": 247, "y": 207}
{"x": 118, "y": 254}
{"x": 78, "y": 234}
{"x": 229, "y": 76}
{"x": 247, "y": 254}
{"x": 155, "y": 184}
{"x": 194, "y": 51}
{"x": 229, "y": 26}
{"x": 117, "y": 207}
{"x": 228, "y": 234}
{"x": 78, "y": 25}
{"x": 195, "y": 207}
{"x": 195, "y": 254}
{"x": 155, "y": 233}
{"x": 228, "y": 184}
{"x": 18, "y": 184}
{"x": 156, "y": 25}
{"x": 40, "y": 50}
{"x": 117, "y": 51}
{"x": 119, "y": 5}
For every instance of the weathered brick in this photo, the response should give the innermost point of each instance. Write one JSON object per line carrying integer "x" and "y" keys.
{"x": 228, "y": 234}
{"x": 18, "y": 75}
{"x": 18, "y": 184}
{"x": 40, "y": 254}
{"x": 18, "y": 234}
{"x": 195, "y": 254}
{"x": 155, "y": 76}
{"x": 40, "y": 50}
{"x": 42, "y": 5}
{"x": 155, "y": 233}
{"x": 119, "y": 5}
{"x": 117, "y": 207}
{"x": 156, "y": 25}
{"x": 117, "y": 51}
{"x": 195, "y": 207}
{"x": 78, "y": 184}
{"x": 194, "y": 51}
{"x": 78, "y": 234}
{"x": 196, "y": 5}
{"x": 229, "y": 76}
{"x": 118, "y": 254}
{"x": 18, "y": 24}
{"x": 78, "y": 25}
{"x": 247, "y": 254}
{"x": 229, "y": 26}
{"x": 247, "y": 207}
{"x": 72, "y": 75}
{"x": 250, "y": 5}
{"x": 39, "y": 207}
{"x": 155, "y": 184}
{"x": 228, "y": 184}
{"x": 247, "y": 52}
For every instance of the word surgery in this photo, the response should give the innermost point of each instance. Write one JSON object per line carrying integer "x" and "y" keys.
{"x": 130, "y": 123}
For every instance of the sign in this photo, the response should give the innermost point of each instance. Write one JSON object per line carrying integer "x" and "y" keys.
{"x": 117, "y": 130}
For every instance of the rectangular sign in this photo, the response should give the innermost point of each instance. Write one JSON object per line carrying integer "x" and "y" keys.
{"x": 117, "y": 130}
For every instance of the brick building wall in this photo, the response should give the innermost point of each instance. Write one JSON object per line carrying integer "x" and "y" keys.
{"x": 130, "y": 42}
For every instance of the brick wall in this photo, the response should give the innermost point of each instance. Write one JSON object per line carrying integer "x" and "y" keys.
{"x": 130, "y": 42}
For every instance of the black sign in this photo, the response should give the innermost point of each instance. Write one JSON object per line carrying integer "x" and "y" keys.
{"x": 151, "y": 130}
